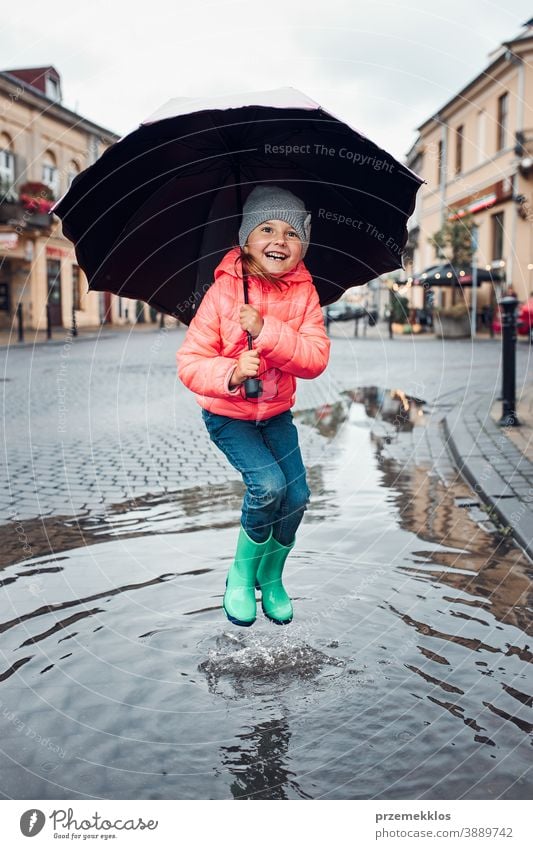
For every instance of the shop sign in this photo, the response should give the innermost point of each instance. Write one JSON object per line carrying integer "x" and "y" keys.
{"x": 57, "y": 253}
{"x": 484, "y": 198}
{"x": 8, "y": 241}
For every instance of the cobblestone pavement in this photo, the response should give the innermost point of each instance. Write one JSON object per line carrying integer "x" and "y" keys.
{"x": 493, "y": 464}
{"x": 102, "y": 420}
{"x": 522, "y": 436}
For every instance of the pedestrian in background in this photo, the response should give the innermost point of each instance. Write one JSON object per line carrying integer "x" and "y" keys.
{"x": 258, "y": 435}
{"x": 389, "y": 316}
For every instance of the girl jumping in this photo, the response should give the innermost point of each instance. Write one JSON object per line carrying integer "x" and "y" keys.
{"x": 257, "y": 434}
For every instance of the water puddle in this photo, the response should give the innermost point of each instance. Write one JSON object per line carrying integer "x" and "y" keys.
{"x": 385, "y": 411}
{"x": 406, "y": 672}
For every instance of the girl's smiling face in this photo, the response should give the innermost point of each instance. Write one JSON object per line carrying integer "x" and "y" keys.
{"x": 275, "y": 245}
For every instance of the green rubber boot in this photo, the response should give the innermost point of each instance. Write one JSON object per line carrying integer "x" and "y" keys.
{"x": 239, "y": 599}
{"x": 276, "y": 603}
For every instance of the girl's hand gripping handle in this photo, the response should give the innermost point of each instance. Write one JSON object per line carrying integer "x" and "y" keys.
{"x": 247, "y": 367}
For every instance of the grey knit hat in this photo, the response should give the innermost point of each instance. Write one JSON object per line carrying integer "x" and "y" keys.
{"x": 271, "y": 203}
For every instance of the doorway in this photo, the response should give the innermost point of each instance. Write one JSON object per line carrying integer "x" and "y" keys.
{"x": 53, "y": 274}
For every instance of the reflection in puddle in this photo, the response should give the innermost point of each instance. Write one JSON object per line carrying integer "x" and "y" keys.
{"x": 405, "y": 674}
{"x": 259, "y": 762}
{"x": 368, "y": 406}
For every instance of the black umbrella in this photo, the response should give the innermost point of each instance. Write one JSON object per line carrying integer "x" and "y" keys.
{"x": 155, "y": 214}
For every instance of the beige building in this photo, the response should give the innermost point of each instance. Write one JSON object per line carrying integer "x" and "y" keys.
{"x": 476, "y": 154}
{"x": 43, "y": 145}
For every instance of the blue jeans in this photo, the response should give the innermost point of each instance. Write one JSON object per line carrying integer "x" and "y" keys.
{"x": 267, "y": 455}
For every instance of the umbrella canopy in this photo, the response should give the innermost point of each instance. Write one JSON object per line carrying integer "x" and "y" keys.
{"x": 448, "y": 275}
{"x": 153, "y": 217}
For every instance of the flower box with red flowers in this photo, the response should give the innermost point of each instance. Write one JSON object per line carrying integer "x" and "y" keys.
{"x": 36, "y": 197}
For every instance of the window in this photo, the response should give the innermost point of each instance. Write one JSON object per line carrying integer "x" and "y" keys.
{"x": 53, "y": 275}
{"x": 481, "y": 124}
{"x": 93, "y": 148}
{"x": 7, "y": 167}
{"x": 459, "y": 135}
{"x": 497, "y": 235}
{"x": 50, "y": 174}
{"x": 7, "y": 170}
{"x": 76, "y": 295}
{"x": 73, "y": 171}
{"x": 439, "y": 162}
{"x": 52, "y": 88}
{"x": 474, "y": 238}
{"x": 503, "y": 108}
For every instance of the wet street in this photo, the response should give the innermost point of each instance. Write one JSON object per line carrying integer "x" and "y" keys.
{"x": 406, "y": 673}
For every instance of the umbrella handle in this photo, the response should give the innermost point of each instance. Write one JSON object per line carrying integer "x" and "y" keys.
{"x": 253, "y": 387}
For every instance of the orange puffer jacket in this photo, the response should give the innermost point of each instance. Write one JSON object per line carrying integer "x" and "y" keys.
{"x": 292, "y": 343}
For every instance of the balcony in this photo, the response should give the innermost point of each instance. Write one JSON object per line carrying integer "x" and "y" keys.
{"x": 16, "y": 215}
{"x": 28, "y": 208}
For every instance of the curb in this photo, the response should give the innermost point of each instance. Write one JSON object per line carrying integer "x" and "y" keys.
{"x": 51, "y": 342}
{"x": 487, "y": 475}
{"x": 82, "y": 336}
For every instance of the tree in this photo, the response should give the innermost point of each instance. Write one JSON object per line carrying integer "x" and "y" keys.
{"x": 454, "y": 241}
{"x": 399, "y": 307}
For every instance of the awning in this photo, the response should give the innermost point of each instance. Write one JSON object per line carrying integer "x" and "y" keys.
{"x": 448, "y": 275}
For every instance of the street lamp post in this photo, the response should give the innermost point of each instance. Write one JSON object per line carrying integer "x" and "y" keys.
{"x": 473, "y": 316}
{"x": 508, "y": 310}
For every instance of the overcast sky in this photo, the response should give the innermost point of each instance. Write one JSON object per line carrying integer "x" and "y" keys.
{"x": 384, "y": 67}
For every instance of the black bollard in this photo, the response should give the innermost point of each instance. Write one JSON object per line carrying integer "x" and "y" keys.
{"x": 508, "y": 309}
{"x": 74, "y": 325}
{"x": 20, "y": 323}
{"x": 48, "y": 322}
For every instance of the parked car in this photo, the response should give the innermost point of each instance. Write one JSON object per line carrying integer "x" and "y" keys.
{"x": 361, "y": 313}
{"x": 524, "y": 320}
{"x": 339, "y": 311}
{"x": 343, "y": 311}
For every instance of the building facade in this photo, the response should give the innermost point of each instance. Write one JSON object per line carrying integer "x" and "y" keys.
{"x": 476, "y": 155}
{"x": 43, "y": 146}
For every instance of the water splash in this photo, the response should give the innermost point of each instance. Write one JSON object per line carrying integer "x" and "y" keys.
{"x": 240, "y": 662}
